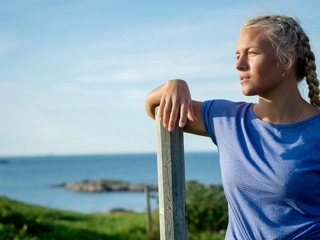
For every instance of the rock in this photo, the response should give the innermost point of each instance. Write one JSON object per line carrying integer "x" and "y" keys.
{"x": 3, "y": 161}
{"x": 105, "y": 185}
{"x": 119, "y": 210}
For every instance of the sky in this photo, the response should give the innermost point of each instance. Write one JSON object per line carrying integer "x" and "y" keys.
{"x": 74, "y": 74}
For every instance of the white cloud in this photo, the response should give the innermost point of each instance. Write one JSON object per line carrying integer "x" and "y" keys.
{"x": 151, "y": 73}
{"x": 213, "y": 62}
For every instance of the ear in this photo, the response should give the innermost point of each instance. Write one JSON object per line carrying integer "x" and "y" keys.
{"x": 289, "y": 60}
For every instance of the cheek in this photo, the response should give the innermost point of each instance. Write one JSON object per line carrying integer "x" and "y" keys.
{"x": 267, "y": 69}
{"x": 259, "y": 68}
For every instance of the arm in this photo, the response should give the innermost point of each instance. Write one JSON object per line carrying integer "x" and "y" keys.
{"x": 174, "y": 98}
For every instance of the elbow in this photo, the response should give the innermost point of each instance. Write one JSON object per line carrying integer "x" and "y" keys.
{"x": 150, "y": 107}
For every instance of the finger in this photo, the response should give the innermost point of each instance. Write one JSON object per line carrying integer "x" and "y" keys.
{"x": 183, "y": 115}
{"x": 173, "y": 117}
{"x": 166, "y": 114}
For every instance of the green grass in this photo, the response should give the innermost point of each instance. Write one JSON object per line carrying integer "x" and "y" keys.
{"x": 29, "y": 222}
{"x": 24, "y": 221}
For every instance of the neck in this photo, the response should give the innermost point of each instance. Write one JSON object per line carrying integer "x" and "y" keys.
{"x": 283, "y": 104}
{"x": 281, "y": 111}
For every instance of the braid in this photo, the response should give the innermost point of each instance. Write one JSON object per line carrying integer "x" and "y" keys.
{"x": 286, "y": 33}
{"x": 306, "y": 61}
{"x": 310, "y": 73}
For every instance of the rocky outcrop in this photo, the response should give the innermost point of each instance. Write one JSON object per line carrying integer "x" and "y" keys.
{"x": 3, "y": 161}
{"x": 105, "y": 185}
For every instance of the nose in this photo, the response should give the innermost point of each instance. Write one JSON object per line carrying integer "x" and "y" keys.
{"x": 241, "y": 64}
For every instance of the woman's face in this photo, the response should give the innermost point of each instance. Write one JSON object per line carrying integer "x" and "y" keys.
{"x": 259, "y": 68}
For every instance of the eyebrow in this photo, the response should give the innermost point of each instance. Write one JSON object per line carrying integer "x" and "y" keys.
{"x": 247, "y": 48}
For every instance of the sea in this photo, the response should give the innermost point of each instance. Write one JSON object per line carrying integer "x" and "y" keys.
{"x": 32, "y": 179}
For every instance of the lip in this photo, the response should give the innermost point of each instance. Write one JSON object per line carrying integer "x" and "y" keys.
{"x": 244, "y": 78}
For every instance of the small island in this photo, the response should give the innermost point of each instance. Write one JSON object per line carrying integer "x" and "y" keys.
{"x": 106, "y": 185}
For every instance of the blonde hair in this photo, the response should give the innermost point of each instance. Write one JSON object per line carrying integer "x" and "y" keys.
{"x": 285, "y": 33}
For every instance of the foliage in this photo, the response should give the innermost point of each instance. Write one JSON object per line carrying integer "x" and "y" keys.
{"x": 207, "y": 208}
{"x": 28, "y": 222}
{"x": 206, "y": 216}
{"x": 206, "y": 235}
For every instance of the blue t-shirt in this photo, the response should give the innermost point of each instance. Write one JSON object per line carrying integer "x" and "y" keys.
{"x": 270, "y": 172}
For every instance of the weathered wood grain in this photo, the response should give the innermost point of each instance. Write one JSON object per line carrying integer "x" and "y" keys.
{"x": 171, "y": 182}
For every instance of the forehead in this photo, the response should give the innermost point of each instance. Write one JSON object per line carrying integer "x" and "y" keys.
{"x": 252, "y": 38}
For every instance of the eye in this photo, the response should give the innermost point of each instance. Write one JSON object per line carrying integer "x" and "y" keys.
{"x": 252, "y": 53}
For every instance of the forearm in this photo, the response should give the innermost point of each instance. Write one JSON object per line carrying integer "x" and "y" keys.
{"x": 153, "y": 100}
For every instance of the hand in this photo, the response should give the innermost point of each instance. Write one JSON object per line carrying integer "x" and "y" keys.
{"x": 176, "y": 99}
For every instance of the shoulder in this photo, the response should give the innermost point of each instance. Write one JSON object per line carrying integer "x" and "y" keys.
{"x": 222, "y": 107}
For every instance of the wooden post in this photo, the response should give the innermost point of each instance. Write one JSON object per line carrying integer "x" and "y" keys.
{"x": 148, "y": 212}
{"x": 171, "y": 183}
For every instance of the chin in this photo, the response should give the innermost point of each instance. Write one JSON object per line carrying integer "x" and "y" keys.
{"x": 248, "y": 94}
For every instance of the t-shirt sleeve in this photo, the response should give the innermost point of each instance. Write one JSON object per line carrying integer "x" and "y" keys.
{"x": 207, "y": 117}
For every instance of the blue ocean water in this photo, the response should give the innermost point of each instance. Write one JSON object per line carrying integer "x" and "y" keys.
{"x": 30, "y": 179}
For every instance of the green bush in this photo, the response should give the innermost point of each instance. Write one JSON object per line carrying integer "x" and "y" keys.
{"x": 207, "y": 208}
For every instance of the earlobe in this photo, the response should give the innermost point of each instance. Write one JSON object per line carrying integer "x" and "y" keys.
{"x": 288, "y": 64}
{"x": 289, "y": 59}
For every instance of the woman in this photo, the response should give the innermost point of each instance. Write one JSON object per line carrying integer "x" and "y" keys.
{"x": 269, "y": 151}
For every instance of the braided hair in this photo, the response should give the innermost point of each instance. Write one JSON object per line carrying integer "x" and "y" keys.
{"x": 285, "y": 33}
